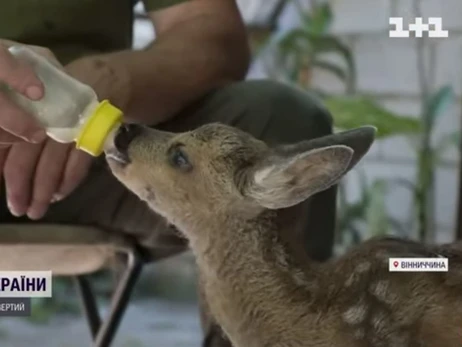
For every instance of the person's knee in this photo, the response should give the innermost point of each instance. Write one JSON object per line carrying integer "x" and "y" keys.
{"x": 277, "y": 112}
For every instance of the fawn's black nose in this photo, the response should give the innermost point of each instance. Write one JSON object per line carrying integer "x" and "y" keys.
{"x": 125, "y": 135}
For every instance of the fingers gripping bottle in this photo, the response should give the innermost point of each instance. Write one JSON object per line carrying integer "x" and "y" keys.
{"x": 70, "y": 110}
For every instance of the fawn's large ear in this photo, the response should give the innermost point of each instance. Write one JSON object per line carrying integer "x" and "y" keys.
{"x": 292, "y": 173}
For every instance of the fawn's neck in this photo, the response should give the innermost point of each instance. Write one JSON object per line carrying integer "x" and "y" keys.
{"x": 252, "y": 277}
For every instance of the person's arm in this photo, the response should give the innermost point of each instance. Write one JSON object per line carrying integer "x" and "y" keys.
{"x": 200, "y": 45}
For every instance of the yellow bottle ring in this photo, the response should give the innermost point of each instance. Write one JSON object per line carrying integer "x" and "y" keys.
{"x": 98, "y": 126}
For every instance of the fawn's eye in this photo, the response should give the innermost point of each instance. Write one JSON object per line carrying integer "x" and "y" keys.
{"x": 179, "y": 159}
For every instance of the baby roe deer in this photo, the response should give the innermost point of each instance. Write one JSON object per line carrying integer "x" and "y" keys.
{"x": 227, "y": 193}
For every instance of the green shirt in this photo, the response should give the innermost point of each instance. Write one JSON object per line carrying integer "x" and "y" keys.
{"x": 73, "y": 28}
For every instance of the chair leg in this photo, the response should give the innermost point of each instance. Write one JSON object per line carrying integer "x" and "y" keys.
{"x": 103, "y": 332}
{"x": 90, "y": 307}
{"x": 119, "y": 301}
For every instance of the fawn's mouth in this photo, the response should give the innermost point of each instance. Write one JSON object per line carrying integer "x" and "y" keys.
{"x": 118, "y": 150}
{"x": 113, "y": 155}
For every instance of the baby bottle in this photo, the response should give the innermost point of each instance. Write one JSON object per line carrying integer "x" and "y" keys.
{"x": 69, "y": 110}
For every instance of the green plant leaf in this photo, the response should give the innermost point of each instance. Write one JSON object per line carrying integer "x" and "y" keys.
{"x": 438, "y": 103}
{"x": 363, "y": 185}
{"x": 293, "y": 41}
{"x": 448, "y": 141}
{"x": 456, "y": 139}
{"x": 319, "y": 19}
{"x": 293, "y": 69}
{"x": 352, "y": 112}
{"x": 376, "y": 214}
{"x": 349, "y": 214}
{"x": 334, "y": 69}
{"x": 330, "y": 44}
{"x": 352, "y": 213}
{"x": 298, "y": 39}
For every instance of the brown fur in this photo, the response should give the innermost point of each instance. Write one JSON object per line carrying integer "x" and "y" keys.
{"x": 229, "y": 199}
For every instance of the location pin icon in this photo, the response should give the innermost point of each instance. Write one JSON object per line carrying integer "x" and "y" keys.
{"x": 395, "y": 263}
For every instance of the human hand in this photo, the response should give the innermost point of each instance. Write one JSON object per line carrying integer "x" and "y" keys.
{"x": 16, "y": 124}
{"x": 37, "y": 175}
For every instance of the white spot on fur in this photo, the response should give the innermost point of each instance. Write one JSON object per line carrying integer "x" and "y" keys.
{"x": 355, "y": 314}
{"x": 350, "y": 280}
{"x": 299, "y": 277}
{"x": 379, "y": 322}
{"x": 379, "y": 289}
{"x": 355, "y": 276}
{"x": 363, "y": 267}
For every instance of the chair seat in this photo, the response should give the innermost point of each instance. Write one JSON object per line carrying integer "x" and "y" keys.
{"x": 66, "y": 250}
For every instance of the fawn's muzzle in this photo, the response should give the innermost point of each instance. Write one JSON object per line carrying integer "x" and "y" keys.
{"x": 118, "y": 150}
{"x": 125, "y": 136}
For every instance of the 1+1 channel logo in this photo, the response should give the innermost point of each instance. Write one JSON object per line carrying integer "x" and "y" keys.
{"x": 434, "y": 28}
{"x": 18, "y": 287}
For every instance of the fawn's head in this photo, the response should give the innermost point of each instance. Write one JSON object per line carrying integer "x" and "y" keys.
{"x": 220, "y": 169}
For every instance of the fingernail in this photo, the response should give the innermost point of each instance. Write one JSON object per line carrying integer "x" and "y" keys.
{"x": 34, "y": 215}
{"x": 34, "y": 92}
{"x": 38, "y": 136}
{"x": 14, "y": 211}
{"x": 56, "y": 198}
